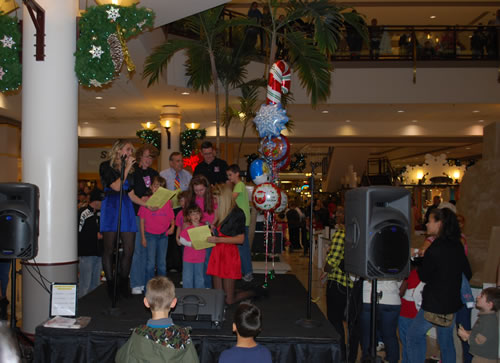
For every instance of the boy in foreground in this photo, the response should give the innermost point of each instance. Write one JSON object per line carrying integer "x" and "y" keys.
{"x": 246, "y": 325}
{"x": 159, "y": 340}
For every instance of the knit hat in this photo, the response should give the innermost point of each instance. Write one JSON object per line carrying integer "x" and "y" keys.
{"x": 96, "y": 195}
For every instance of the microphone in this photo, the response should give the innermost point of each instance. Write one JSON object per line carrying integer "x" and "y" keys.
{"x": 124, "y": 159}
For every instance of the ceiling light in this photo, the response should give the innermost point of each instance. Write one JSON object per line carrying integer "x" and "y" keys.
{"x": 414, "y": 120}
{"x": 401, "y": 111}
{"x": 214, "y": 122}
{"x": 112, "y": 108}
{"x": 192, "y": 125}
{"x": 86, "y": 123}
{"x": 324, "y": 111}
{"x": 467, "y": 148}
{"x": 480, "y": 121}
{"x": 98, "y": 98}
{"x": 347, "y": 120}
{"x": 185, "y": 93}
{"x": 475, "y": 111}
{"x": 432, "y": 16}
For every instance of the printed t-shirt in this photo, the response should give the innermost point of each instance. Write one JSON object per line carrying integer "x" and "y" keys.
{"x": 190, "y": 254}
{"x": 158, "y": 221}
{"x": 200, "y": 202}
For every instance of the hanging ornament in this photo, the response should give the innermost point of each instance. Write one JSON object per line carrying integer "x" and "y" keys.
{"x": 275, "y": 148}
{"x": 270, "y": 120}
{"x": 115, "y": 48}
{"x": 279, "y": 82}
{"x": 2, "y": 73}
{"x": 283, "y": 204}
{"x": 113, "y": 13}
{"x": 260, "y": 172}
{"x": 96, "y": 52}
{"x": 7, "y": 42}
{"x": 95, "y": 83}
{"x": 266, "y": 197}
{"x": 126, "y": 54}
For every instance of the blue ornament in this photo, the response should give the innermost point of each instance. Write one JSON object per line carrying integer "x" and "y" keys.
{"x": 260, "y": 171}
{"x": 270, "y": 120}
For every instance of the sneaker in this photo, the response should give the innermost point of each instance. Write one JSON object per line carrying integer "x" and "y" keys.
{"x": 248, "y": 277}
{"x": 137, "y": 290}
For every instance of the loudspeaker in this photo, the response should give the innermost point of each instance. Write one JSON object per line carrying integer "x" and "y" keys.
{"x": 199, "y": 308}
{"x": 19, "y": 215}
{"x": 377, "y": 241}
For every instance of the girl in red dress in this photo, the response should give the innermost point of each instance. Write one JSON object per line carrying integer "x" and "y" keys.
{"x": 225, "y": 264}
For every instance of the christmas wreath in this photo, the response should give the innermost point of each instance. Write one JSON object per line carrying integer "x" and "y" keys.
{"x": 188, "y": 140}
{"x": 152, "y": 137}
{"x": 10, "y": 65}
{"x": 102, "y": 44}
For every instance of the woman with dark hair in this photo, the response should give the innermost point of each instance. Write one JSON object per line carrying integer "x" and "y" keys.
{"x": 442, "y": 267}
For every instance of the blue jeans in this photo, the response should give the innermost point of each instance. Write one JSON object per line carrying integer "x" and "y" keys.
{"x": 245, "y": 256}
{"x": 387, "y": 323}
{"x": 90, "y": 274}
{"x": 192, "y": 275}
{"x": 463, "y": 317}
{"x": 138, "y": 269}
{"x": 207, "y": 278}
{"x": 403, "y": 326}
{"x": 156, "y": 251}
{"x": 417, "y": 345}
{"x": 4, "y": 276}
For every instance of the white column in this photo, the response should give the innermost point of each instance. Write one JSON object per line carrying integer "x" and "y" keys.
{"x": 175, "y": 131}
{"x": 50, "y": 149}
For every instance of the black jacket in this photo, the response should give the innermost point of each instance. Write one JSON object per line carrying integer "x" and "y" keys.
{"x": 215, "y": 172}
{"x": 442, "y": 267}
{"x": 88, "y": 227}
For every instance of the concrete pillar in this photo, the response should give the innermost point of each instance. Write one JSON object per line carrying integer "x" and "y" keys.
{"x": 50, "y": 151}
{"x": 10, "y": 151}
{"x": 171, "y": 115}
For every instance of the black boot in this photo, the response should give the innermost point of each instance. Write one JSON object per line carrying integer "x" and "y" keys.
{"x": 110, "y": 288}
{"x": 3, "y": 308}
{"x": 124, "y": 286}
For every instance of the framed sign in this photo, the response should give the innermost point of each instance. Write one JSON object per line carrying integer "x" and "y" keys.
{"x": 63, "y": 299}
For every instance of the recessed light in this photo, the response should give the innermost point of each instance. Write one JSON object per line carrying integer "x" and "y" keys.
{"x": 214, "y": 122}
{"x": 98, "y": 97}
{"x": 467, "y": 148}
{"x": 401, "y": 111}
{"x": 112, "y": 108}
{"x": 414, "y": 120}
{"x": 476, "y": 111}
{"x": 432, "y": 16}
{"x": 347, "y": 120}
{"x": 324, "y": 111}
{"x": 185, "y": 93}
{"x": 480, "y": 120}
{"x": 86, "y": 123}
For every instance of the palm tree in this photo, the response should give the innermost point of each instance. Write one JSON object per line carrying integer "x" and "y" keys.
{"x": 210, "y": 27}
{"x": 309, "y": 53}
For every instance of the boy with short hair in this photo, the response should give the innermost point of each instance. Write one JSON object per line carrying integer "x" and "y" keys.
{"x": 240, "y": 196}
{"x": 247, "y": 325}
{"x": 159, "y": 340}
{"x": 483, "y": 338}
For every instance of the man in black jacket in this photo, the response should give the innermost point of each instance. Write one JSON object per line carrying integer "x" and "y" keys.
{"x": 90, "y": 244}
{"x": 213, "y": 168}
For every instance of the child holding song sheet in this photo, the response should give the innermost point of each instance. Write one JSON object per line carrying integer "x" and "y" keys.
{"x": 192, "y": 259}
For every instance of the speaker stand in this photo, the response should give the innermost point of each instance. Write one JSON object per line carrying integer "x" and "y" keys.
{"x": 308, "y": 322}
{"x": 374, "y": 358}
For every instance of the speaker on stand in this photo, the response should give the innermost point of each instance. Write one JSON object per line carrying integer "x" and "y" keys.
{"x": 377, "y": 241}
{"x": 19, "y": 230}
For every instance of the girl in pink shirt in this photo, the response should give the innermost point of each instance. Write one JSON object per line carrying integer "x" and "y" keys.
{"x": 193, "y": 260}
{"x": 155, "y": 226}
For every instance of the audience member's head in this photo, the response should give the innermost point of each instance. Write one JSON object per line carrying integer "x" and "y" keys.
{"x": 176, "y": 161}
{"x": 489, "y": 299}
{"x": 443, "y": 223}
{"x": 95, "y": 198}
{"x": 247, "y": 320}
{"x": 160, "y": 294}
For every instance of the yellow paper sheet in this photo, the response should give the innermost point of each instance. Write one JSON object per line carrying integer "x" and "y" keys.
{"x": 199, "y": 236}
{"x": 161, "y": 197}
{"x": 175, "y": 199}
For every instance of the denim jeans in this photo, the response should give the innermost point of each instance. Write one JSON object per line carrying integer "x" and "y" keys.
{"x": 90, "y": 274}
{"x": 387, "y": 323}
{"x": 192, "y": 275}
{"x": 207, "y": 278}
{"x": 403, "y": 326}
{"x": 245, "y": 255}
{"x": 138, "y": 269}
{"x": 156, "y": 252}
{"x": 463, "y": 317}
{"x": 417, "y": 345}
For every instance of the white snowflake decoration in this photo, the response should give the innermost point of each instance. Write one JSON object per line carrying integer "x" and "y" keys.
{"x": 95, "y": 83}
{"x": 2, "y": 73}
{"x": 96, "y": 51}
{"x": 141, "y": 24}
{"x": 7, "y": 42}
{"x": 113, "y": 13}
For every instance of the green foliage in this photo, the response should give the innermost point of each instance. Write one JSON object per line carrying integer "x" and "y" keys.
{"x": 188, "y": 140}
{"x": 152, "y": 137}
{"x": 95, "y": 28}
{"x": 9, "y": 57}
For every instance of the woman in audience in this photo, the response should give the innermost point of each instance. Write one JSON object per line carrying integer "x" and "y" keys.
{"x": 224, "y": 264}
{"x": 200, "y": 194}
{"x": 109, "y": 170}
{"x": 442, "y": 267}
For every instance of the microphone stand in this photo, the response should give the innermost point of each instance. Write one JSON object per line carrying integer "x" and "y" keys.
{"x": 308, "y": 322}
{"x": 117, "y": 242}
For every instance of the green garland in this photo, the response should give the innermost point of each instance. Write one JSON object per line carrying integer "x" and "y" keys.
{"x": 152, "y": 137}
{"x": 188, "y": 140}
{"x": 10, "y": 43}
{"x": 96, "y": 25}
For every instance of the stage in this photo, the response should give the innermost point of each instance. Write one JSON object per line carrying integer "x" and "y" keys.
{"x": 287, "y": 341}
